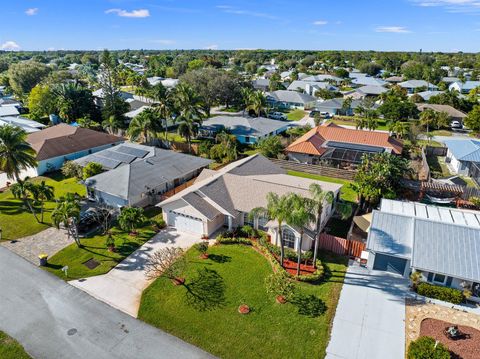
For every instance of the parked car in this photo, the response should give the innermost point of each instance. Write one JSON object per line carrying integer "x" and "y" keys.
{"x": 324, "y": 115}
{"x": 455, "y": 124}
{"x": 277, "y": 116}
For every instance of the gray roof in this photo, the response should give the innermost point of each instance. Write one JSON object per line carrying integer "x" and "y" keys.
{"x": 197, "y": 202}
{"x": 468, "y": 85}
{"x": 464, "y": 150}
{"x": 322, "y": 78}
{"x": 335, "y": 104}
{"x": 292, "y": 97}
{"x": 131, "y": 180}
{"x": 8, "y": 111}
{"x": 133, "y": 113}
{"x": 244, "y": 126}
{"x": 417, "y": 84}
{"x": 372, "y": 90}
{"x": 368, "y": 81}
{"x": 302, "y": 84}
{"x": 426, "y": 95}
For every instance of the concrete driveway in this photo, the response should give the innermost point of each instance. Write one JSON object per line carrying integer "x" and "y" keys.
{"x": 370, "y": 319}
{"x": 122, "y": 287}
{"x": 54, "y": 320}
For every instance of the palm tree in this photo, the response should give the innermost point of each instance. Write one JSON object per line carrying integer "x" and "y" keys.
{"x": 278, "y": 208}
{"x": 67, "y": 213}
{"x": 131, "y": 218}
{"x": 146, "y": 125}
{"x": 41, "y": 193}
{"x": 163, "y": 104}
{"x": 301, "y": 214}
{"x": 401, "y": 129}
{"x": 190, "y": 118}
{"x": 319, "y": 198}
{"x": 246, "y": 94}
{"x": 257, "y": 103}
{"x": 16, "y": 154}
{"x": 23, "y": 190}
{"x": 428, "y": 118}
{"x": 112, "y": 124}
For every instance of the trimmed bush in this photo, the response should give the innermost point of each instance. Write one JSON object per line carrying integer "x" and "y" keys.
{"x": 233, "y": 240}
{"x": 424, "y": 348}
{"x": 446, "y": 294}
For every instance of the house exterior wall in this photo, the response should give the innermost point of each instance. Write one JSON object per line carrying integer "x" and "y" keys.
{"x": 109, "y": 199}
{"x": 458, "y": 167}
{"x": 214, "y": 225}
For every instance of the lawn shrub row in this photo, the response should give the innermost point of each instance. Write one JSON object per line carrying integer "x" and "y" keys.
{"x": 446, "y": 294}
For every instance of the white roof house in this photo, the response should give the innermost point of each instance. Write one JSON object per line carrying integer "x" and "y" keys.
{"x": 412, "y": 85}
{"x": 464, "y": 87}
{"x": 9, "y": 111}
{"x": 25, "y": 124}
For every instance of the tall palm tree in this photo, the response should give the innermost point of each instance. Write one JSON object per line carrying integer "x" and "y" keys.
{"x": 319, "y": 198}
{"x": 428, "y": 118}
{"x": 278, "y": 208}
{"x": 16, "y": 154}
{"x": 401, "y": 129}
{"x": 246, "y": 94}
{"x": 41, "y": 193}
{"x": 112, "y": 124}
{"x": 67, "y": 213}
{"x": 163, "y": 104}
{"x": 146, "y": 125}
{"x": 190, "y": 112}
{"x": 301, "y": 215}
{"x": 24, "y": 189}
{"x": 257, "y": 102}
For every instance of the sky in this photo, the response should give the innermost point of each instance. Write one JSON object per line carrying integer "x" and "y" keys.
{"x": 387, "y": 25}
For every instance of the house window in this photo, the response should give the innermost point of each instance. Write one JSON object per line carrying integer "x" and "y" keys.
{"x": 288, "y": 238}
{"x": 247, "y": 220}
{"x": 247, "y": 139}
{"x": 439, "y": 278}
{"x": 262, "y": 221}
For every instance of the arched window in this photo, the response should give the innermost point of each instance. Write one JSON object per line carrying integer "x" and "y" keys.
{"x": 288, "y": 237}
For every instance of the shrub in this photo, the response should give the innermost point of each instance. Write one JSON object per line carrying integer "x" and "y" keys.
{"x": 425, "y": 348}
{"x": 446, "y": 294}
{"x": 72, "y": 169}
{"x": 92, "y": 169}
{"x": 202, "y": 247}
{"x": 247, "y": 231}
{"x": 233, "y": 240}
{"x": 279, "y": 283}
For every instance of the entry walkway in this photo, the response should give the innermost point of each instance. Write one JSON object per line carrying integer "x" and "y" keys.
{"x": 122, "y": 287}
{"x": 370, "y": 319}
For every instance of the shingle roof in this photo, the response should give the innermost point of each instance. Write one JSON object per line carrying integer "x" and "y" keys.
{"x": 451, "y": 111}
{"x": 416, "y": 84}
{"x": 244, "y": 126}
{"x": 426, "y": 95}
{"x": 321, "y": 78}
{"x": 314, "y": 141}
{"x": 197, "y": 202}
{"x": 302, "y": 84}
{"x": 370, "y": 81}
{"x": 372, "y": 90}
{"x": 8, "y": 111}
{"x": 292, "y": 97}
{"x": 63, "y": 139}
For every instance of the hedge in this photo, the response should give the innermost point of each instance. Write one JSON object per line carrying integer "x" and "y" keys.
{"x": 233, "y": 240}
{"x": 446, "y": 294}
{"x": 424, "y": 348}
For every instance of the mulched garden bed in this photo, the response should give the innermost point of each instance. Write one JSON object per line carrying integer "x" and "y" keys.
{"x": 291, "y": 267}
{"x": 460, "y": 348}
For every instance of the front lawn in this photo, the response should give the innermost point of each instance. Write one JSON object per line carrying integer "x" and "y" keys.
{"x": 438, "y": 167}
{"x": 296, "y": 115}
{"x": 350, "y": 121}
{"x": 96, "y": 249}
{"x": 204, "y": 311}
{"x": 17, "y": 221}
{"x": 10, "y": 348}
{"x": 346, "y": 192}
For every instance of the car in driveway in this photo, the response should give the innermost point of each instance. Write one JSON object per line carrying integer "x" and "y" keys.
{"x": 322, "y": 114}
{"x": 455, "y": 125}
{"x": 277, "y": 116}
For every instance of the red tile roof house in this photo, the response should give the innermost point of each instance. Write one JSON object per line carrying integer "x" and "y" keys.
{"x": 57, "y": 144}
{"x": 332, "y": 142}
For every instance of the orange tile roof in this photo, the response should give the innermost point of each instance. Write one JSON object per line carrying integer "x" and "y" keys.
{"x": 312, "y": 141}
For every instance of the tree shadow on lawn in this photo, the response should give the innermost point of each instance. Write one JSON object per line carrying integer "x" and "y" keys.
{"x": 13, "y": 208}
{"x": 309, "y": 305}
{"x": 220, "y": 258}
{"x": 206, "y": 291}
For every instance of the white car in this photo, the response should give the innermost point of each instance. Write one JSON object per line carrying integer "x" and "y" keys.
{"x": 455, "y": 124}
{"x": 277, "y": 116}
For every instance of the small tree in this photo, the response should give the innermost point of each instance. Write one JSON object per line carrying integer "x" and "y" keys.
{"x": 169, "y": 262}
{"x": 41, "y": 193}
{"x": 427, "y": 348}
{"x": 202, "y": 247}
{"x": 270, "y": 146}
{"x": 72, "y": 169}
{"x": 104, "y": 215}
{"x": 280, "y": 285}
{"x": 91, "y": 169}
{"x": 67, "y": 213}
{"x": 131, "y": 218}
{"x": 24, "y": 190}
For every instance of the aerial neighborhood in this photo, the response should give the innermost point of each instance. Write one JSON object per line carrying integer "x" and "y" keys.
{"x": 239, "y": 203}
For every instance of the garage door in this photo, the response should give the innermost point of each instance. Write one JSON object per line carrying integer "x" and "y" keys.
{"x": 185, "y": 223}
{"x": 390, "y": 264}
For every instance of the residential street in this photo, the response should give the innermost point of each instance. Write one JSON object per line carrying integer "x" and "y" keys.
{"x": 54, "y": 320}
{"x": 370, "y": 318}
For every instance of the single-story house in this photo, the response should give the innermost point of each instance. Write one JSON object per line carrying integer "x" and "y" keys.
{"x": 310, "y": 87}
{"x": 464, "y": 87}
{"x": 355, "y": 74}
{"x": 394, "y": 79}
{"x": 25, "y": 124}
{"x": 131, "y": 114}
{"x": 368, "y": 81}
{"x": 441, "y": 243}
{"x": 57, "y": 144}
{"x": 141, "y": 175}
{"x": 450, "y": 79}
{"x": 413, "y": 85}
{"x": 323, "y": 78}
{"x": 8, "y": 111}
{"x": 225, "y": 198}
{"x": 427, "y": 95}
{"x": 166, "y": 82}
{"x": 291, "y": 99}
{"x": 461, "y": 154}
{"x": 452, "y": 112}
{"x": 98, "y": 96}
{"x": 366, "y": 91}
{"x": 261, "y": 84}
{"x": 335, "y": 107}
{"x": 247, "y": 130}
{"x": 332, "y": 142}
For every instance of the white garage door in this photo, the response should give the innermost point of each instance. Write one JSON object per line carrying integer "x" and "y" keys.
{"x": 185, "y": 223}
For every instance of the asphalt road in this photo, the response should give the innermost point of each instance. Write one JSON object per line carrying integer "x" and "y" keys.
{"x": 54, "y": 320}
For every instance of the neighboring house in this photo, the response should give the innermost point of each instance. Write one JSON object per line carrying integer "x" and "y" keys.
{"x": 462, "y": 154}
{"x": 291, "y": 99}
{"x": 394, "y": 79}
{"x": 464, "y": 87}
{"x": 452, "y": 112}
{"x": 261, "y": 84}
{"x": 247, "y": 130}
{"x": 25, "y": 124}
{"x": 99, "y": 97}
{"x": 323, "y": 78}
{"x": 6, "y": 101}
{"x": 442, "y": 243}
{"x": 427, "y": 95}
{"x": 448, "y": 80}
{"x": 310, "y": 87}
{"x": 368, "y": 81}
{"x": 335, "y": 107}
{"x": 331, "y": 142}
{"x": 139, "y": 175}
{"x": 366, "y": 91}
{"x": 8, "y": 111}
{"x": 355, "y": 74}
{"x": 131, "y": 114}
{"x": 57, "y": 144}
{"x": 166, "y": 82}
{"x": 225, "y": 198}
{"x": 412, "y": 86}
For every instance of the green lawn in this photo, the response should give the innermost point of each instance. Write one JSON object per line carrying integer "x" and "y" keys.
{"x": 10, "y": 348}
{"x": 350, "y": 121}
{"x": 346, "y": 193}
{"x": 204, "y": 310}
{"x": 441, "y": 133}
{"x": 17, "y": 221}
{"x": 175, "y": 137}
{"x": 438, "y": 167}
{"x": 94, "y": 248}
{"x": 296, "y": 115}
{"x": 429, "y": 143}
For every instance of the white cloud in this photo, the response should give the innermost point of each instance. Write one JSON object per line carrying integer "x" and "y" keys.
{"x": 140, "y": 13}
{"x": 10, "y": 46}
{"x": 32, "y": 11}
{"x": 320, "y": 22}
{"x": 394, "y": 29}
{"x": 163, "y": 41}
{"x": 232, "y": 10}
{"x": 211, "y": 47}
{"x": 456, "y": 6}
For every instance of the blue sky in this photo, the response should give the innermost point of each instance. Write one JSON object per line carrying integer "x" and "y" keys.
{"x": 431, "y": 25}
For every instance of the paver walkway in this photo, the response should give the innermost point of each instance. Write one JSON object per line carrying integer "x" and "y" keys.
{"x": 122, "y": 287}
{"x": 369, "y": 321}
{"x": 49, "y": 241}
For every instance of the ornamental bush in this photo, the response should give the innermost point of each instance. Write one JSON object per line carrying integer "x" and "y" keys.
{"x": 446, "y": 294}
{"x": 425, "y": 348}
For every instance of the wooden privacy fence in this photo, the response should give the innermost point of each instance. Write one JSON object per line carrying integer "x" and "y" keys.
{"x": 177, "y": 189}
{"x": 316, "y": 169}
{"x": 436, "y": 151}
{"x": 342, "y": 246}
